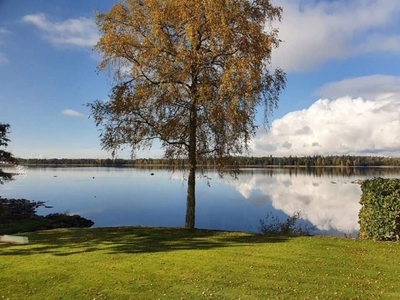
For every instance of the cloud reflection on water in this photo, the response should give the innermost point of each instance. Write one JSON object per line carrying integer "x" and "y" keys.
{"x": 330, "y": 204}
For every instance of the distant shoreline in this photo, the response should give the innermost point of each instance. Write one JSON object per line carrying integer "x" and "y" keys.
{"x": 316, "y": 161}
{"x": 210, "y": 166}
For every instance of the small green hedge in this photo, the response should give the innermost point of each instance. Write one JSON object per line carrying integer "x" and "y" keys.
{"x": 379, "y": 216}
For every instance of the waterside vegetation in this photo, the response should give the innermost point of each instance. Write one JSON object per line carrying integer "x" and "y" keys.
{"x": 6, "y": 157}
{"x": 20, "y": 215}
{"x": 242, "y": 161}
{"x": 379, "y": 216}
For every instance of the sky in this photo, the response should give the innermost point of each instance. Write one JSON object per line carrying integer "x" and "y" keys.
{"x": 342, "y": 60}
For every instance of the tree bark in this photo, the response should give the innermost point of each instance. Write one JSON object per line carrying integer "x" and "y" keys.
{"x": 191, "y": 191}
{"x": 191, "y": 199}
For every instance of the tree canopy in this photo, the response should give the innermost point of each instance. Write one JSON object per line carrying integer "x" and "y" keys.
{"x": 190, "y": 74}
{"x": 5, "y": 156}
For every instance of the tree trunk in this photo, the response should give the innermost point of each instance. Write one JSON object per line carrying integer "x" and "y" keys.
{"x": 191, "y": 199}
{"x": 191, "y": 191}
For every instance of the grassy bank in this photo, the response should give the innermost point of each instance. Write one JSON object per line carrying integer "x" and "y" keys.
{"x": 159, "y": 263}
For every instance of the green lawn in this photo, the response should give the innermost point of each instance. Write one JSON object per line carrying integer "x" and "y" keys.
{"x": 161, "y": 263}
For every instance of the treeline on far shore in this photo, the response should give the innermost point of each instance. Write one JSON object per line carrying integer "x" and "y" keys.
{"x": 243, "y": 161}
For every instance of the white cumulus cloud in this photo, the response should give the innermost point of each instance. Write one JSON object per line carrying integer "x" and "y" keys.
{"x": 343, "y": 125}
{"x": 368, "y": 87}
{"x": 72, "y": 113}
{"x": 81, "y": 32}
{"x": 314, "y": 32}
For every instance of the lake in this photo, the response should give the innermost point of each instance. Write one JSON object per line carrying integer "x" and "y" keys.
{"x": 326, "y": 197}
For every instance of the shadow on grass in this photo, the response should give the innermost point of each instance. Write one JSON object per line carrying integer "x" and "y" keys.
{"x": 65, "y": 242}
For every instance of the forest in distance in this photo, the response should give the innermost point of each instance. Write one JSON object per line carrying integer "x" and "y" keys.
{"x": 242, "y": 161}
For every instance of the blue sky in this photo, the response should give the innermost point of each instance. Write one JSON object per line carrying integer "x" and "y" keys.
{"x": 342, "y": 60}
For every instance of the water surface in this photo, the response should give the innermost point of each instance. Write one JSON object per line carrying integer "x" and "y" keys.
{"x": 326, "y": 198}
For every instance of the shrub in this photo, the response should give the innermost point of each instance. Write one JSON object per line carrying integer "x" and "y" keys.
{"x": 18, "y": 209}
{"x": 19, "y": 215}
{"x": 272, "y": 225}
{"x": 64, "y": 220}
{"x": 379, "y": 216}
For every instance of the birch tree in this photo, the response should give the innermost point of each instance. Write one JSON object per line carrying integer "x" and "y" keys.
{"x": 191, "y": 74}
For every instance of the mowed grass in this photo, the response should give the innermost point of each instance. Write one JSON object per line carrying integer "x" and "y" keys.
{"x": 167, "y": 263}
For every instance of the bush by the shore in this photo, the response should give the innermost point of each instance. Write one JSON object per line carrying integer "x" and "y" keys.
{"x": 20, "y": 215}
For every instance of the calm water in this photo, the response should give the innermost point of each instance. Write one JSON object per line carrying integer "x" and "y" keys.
{"x": 326, "y": 198}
